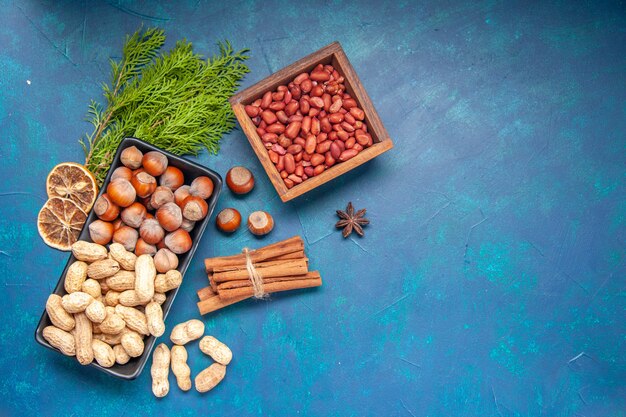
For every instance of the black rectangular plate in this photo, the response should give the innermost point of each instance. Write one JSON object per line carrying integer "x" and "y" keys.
{"x": 191, "y": 170}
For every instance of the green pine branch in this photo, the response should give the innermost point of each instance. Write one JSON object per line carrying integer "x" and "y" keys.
{"x": 176, "y": 100}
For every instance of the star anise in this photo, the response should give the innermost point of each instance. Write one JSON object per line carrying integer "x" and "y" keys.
{"x": 351, "y": 221}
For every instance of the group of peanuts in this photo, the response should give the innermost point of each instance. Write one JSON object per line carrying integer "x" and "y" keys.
{"x": 310, "y": 124}
{"x": 163, "y": 359}
{"x": 113, "y": 302}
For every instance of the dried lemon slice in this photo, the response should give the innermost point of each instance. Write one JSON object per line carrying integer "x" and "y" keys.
{"x": 59, "y": 222}
{"x": 73, "y": 181}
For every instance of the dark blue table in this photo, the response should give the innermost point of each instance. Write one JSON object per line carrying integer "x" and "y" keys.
{"x": 491, "y": 280}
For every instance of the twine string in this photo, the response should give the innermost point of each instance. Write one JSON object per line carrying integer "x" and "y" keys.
{"x": 255, "y": 277}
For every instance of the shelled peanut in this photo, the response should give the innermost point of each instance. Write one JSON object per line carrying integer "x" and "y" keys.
{"x": 310, "y": 124}
{"x": 180, "y": 368}
{"x": 113, "y": 302}
{"x": 160, "y": 370}
{"x": 148, "y": 209}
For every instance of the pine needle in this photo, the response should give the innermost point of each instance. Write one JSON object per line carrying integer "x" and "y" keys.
{"x": 177, "y": 101}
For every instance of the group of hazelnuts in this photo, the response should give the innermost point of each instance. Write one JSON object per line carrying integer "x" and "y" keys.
{"x": 241, "y": 181}
{"x": 148, "y": 209}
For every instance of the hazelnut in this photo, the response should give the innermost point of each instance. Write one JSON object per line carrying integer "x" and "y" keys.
{"x": 161, "y": 196}
{"x": 144, "y": 184}
{"x": 165, "y": 260}
{"x": 181, "y": 194}
{"x": 260, "y": 223}
{"x": 122, "y": 172}
{"x": 202, "y": 187}
{"x": 105, "y": 209}
{"x": 134, "y": 214}
{"x": 194, "y": 208}
{"x": 143, "y": 248}
{"x": 228, "y": 220}
{"x": 101, "y": 232}
{"x": 127, "y": 237}
{"x": 155, "y": 163}
{"x": 240, "y": 180}
{"x": 131, "y": 157}
{"x": 169, "y": 216}
{"x": 178, "y": 241}
{"x": 121, "y": 192}
{"x": 151, "y": 231}
{"x": 172, "y": 178}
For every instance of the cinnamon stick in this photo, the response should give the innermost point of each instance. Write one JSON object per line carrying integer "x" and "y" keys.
{"x": 205, "y": 293}
{"x": 293, "y": 255}
{"x": 240, "y": 283}
{"x": 212, "y": 290}
{"x": 229, "y": 294}
{"x": 271, "y": 269}
{"x": 272, "y": 262}
{"x": 215, "y": 303}
{"x": 293, "y": 244}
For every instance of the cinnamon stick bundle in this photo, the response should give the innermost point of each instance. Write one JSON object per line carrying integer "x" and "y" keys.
{"x": 281, "y": 266}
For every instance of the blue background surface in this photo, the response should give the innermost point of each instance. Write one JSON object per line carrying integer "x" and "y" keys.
{"x": 491, "y": 279}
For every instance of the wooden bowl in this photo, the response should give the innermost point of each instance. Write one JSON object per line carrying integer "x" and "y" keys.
{"x": 332, "y": 54}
